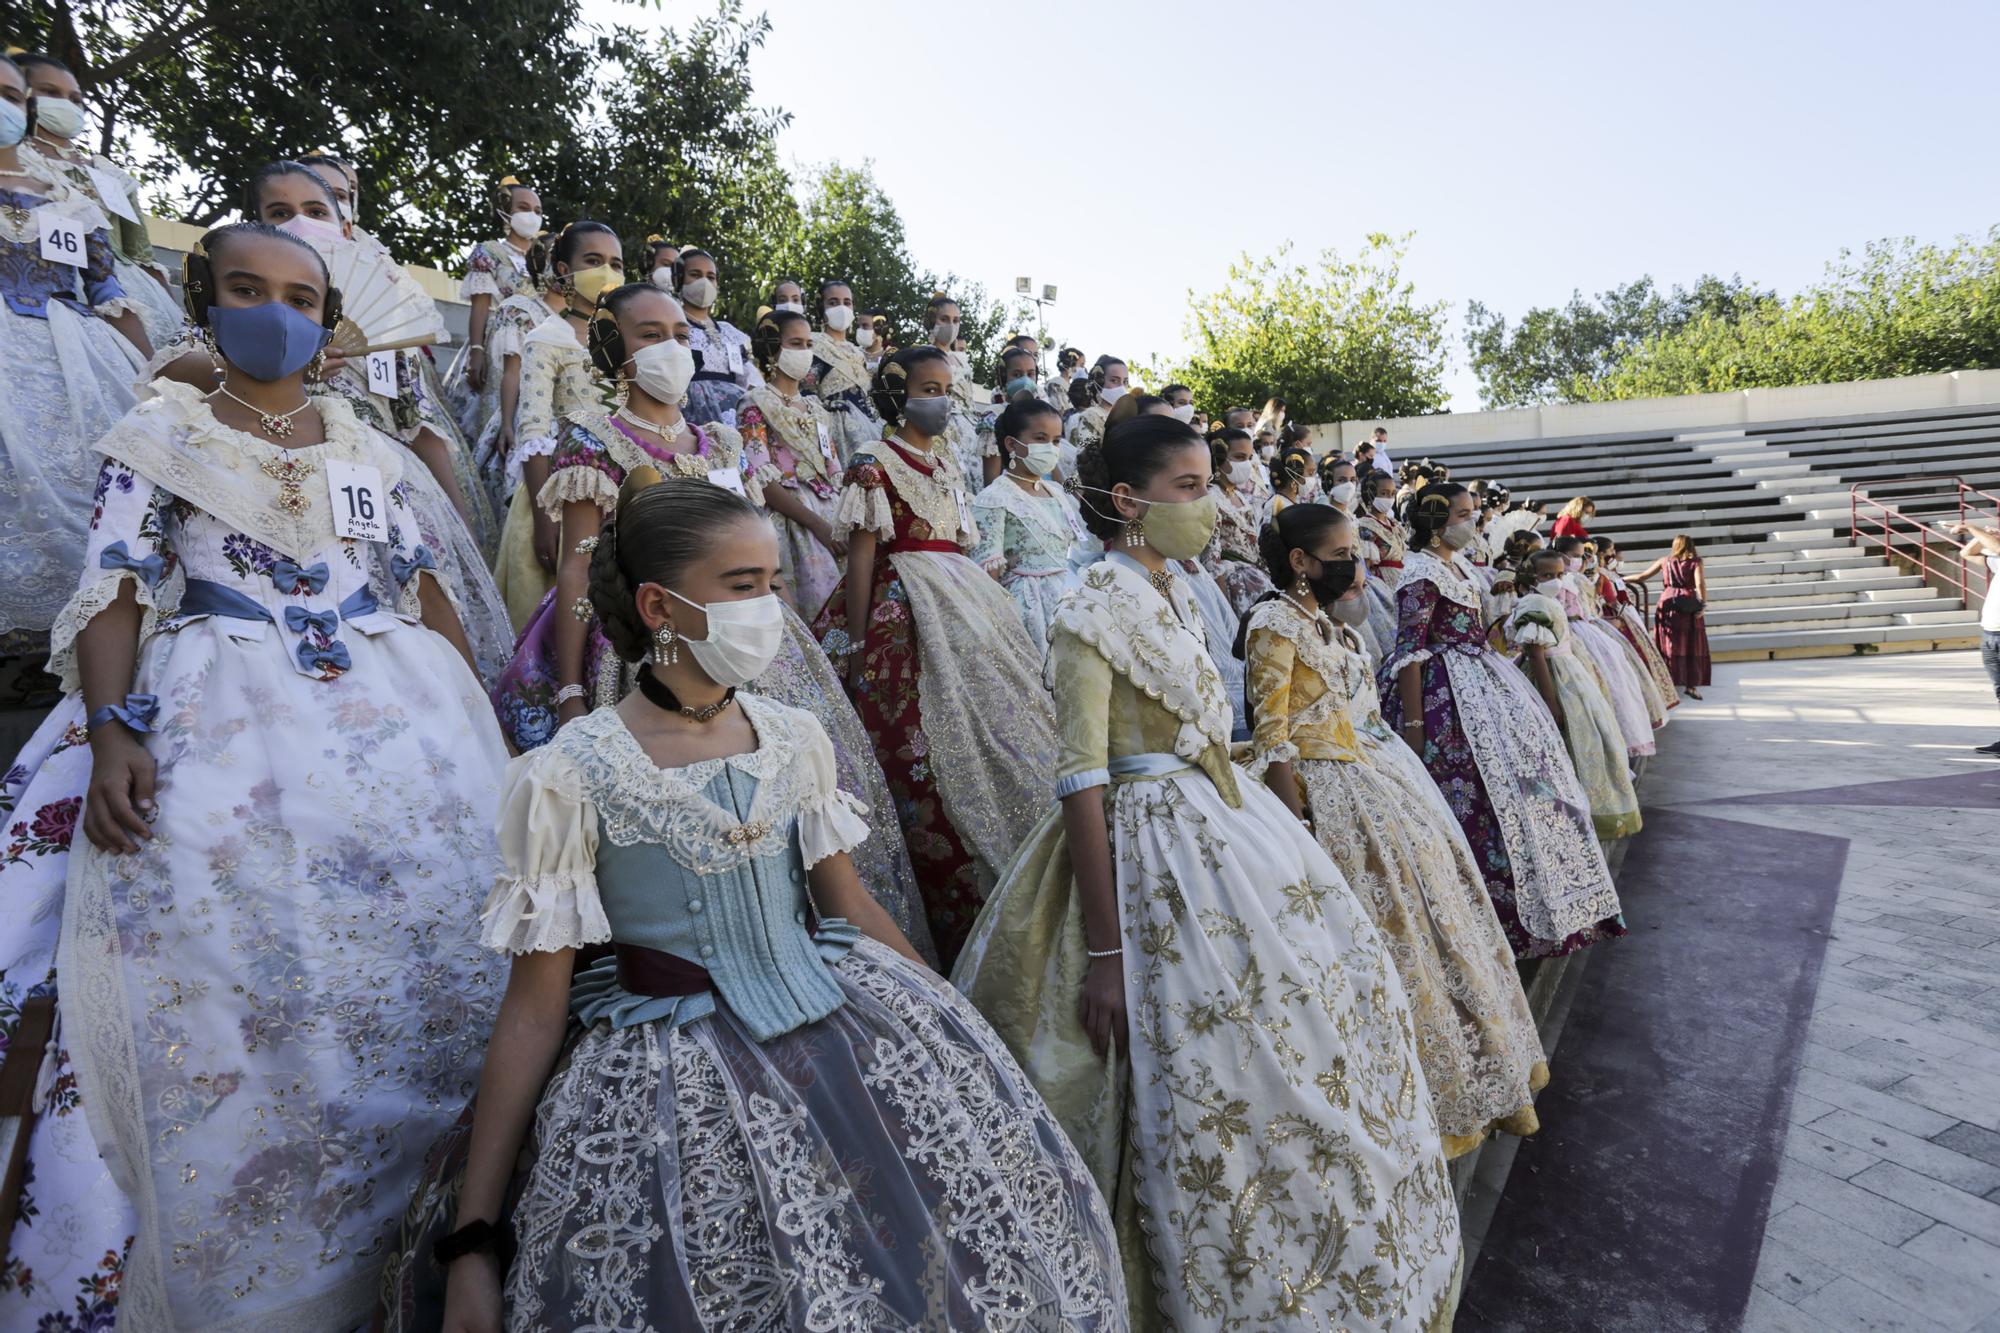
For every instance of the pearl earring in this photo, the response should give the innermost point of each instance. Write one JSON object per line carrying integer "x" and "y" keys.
{"x": 666, "y": 646}
{"x": 1135, "y": 533}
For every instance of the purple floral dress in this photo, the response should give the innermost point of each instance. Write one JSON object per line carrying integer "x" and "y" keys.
{"x": 1497, "y": 756}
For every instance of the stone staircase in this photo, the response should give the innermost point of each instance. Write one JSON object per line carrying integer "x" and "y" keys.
{"x": 1771, "y": 514}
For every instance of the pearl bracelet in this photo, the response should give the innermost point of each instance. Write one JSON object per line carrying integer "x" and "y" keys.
{"x": 1104, "y": 953}
{"x": 568, "y": 692}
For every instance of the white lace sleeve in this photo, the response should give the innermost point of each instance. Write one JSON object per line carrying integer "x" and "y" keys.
{"x": 127, "y": 546}
{"x": 830, "y": 820}
{"x": 864, "y": 503}
{"x": 546, "y": 897}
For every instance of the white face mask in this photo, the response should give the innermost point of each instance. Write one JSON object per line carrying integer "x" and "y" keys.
{"x": 796, "y": 362}
{"x": 791, "y": 307}
{"x": 663, "y": 277}
{"x": 1040, "y": 457}
{"x": 60, "y": 117}
{"x": 864, "y": 337}
{"x": 525, "y": 225}
{"x": 316, "y": 232}
{"x": 839, "y": 317}
{"x": 700, "y": 292}
{"x": 944, "y": 332}
{"x": 1111, "y": 393}
{"x": 1457, "y": 536}
{"x": 1349, "y": 610}
{"x": 1343, "y": 494}
{"x": 1185, "y": 412}
{"x": 1384, "y": 505}
{"x": 663, "y": 370}
{"x": 743, "y": 637}
{"x": 1242, "y": 473}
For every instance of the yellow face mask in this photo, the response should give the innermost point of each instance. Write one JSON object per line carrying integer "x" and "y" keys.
{"x": 592, "y": 283}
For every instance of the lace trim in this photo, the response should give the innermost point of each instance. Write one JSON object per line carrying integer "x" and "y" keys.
{"x": 175, "y": 442}
{"x": 846, "y": 365}
{"x": 639, "y": 802}
{"x": 1453, "y": 579}
{"x": 1284, "y": 752}
{"x": 934, "y": 499}
{"x": 1035, "y": 511}
{"x": 789, "y": 421}
{"x": 90, "y": 600}
{"x": 543, "y": 913}
{"x": 1537, "y": 619}
{"x": 1131, "y": 626}
{"x": 838, "y": 824}
{"x": 580, "y": 484}
{"x": 1334, "y": 668}
{"x": 866, "y": 508}
{"x": 477, "y": 284}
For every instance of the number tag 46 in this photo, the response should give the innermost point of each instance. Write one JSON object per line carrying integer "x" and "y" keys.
{"x": 61, "y": 237}
{"x": 359, "y": 506}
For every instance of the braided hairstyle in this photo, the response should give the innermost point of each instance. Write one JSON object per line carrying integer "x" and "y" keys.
{"x": 659, "y": 529}
{"x": 768, "y": 338}
{"x": 1133, "y": 452}
{"x": 892, "y": 378}
{"x": 1290, "y": 465}
{"x": 1429, "y": 511}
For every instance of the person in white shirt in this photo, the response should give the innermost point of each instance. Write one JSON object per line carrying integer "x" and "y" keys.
{"x": 1984, "y": 544}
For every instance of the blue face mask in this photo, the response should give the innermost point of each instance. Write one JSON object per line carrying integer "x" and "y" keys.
{"x": 1021, "y": 385}
{"x": 267, "y": 342}
{"x": 13, "y": 124}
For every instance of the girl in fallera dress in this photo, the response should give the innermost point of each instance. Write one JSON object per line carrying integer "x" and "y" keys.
{"x": 840, "y": 371}
{"x": 1600, "y": 603}
{"x": 1617, "y": 668}
{"x": 727, "y": 369}
{"x": 1542, "y": 633}
{"x": 1383, "y": 546}
{"x": 1107, "y": 382}
{"x": 1490, "y": 744}
{"x": 71, "y": 345}
{"x": 944, "y": 321}
{"x": 1030, "y": 529}
{"x": 944, "y": 677}
{"x": 789, "y": 430}
{"x": 268, "y": 986}
{"x": 1017, "y": 384}
{"x": 497, "y": 273}
{"x": 1323, "y": 749}
{"x": 1232, "y": 556}
{"x": 564, "y": 666}
{"x": 1623, "y": 613}
{"x": 1190, "y": 981}
{"x": 586, "y": 260}
{"x": 775, "y": 1116}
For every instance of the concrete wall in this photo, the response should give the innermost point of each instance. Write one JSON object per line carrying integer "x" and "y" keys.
{"x": 1687, "y": 412}
{"x": 174, "y": 239}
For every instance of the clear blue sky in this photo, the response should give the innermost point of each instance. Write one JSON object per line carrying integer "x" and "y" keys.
{"x": 1127, "y": 151}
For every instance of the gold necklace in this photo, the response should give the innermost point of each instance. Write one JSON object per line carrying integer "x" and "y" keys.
{"x": 277, "y": 425}
{"x": 289, "y": 472}
{"x": 668, "y": 434}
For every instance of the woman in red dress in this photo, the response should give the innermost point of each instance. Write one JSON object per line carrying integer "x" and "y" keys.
{"x": 1574, "y": 515}
{"x": 1680, "y": 625}
{"x": 945, "y": 679}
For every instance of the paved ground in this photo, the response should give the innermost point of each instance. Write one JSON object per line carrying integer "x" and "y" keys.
{"x": 1886, "y": 1210}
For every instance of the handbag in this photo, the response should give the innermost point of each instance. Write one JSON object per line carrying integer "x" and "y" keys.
{"x": 1681, "y": 604}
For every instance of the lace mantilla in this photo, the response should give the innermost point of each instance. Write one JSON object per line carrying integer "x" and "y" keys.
{"x": 1453, "y": 578}
{"x": 937, "y": 499}
{"x": 639, "y": 802}
{"x": 1318, "y": 655}
{"x": 1131, "y": 626}
{"x": 1537, "y": 619}
{"x": 846, "y": 365}
{"x": 800, "y": 425}
{"x": 175, "y": 442}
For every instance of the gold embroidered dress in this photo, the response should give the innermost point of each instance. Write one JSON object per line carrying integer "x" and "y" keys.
{"x": 1268, "y": 1143}
{"x": 555, "y": 382}
{"x": 1590, "y": 727}
{"x": 1381, "y": 818}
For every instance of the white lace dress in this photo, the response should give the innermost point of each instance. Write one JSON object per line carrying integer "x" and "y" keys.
{"x": 770, "y": 1121}
{"x": 267, "y": 1013}
{"x": 1030, "y": 543}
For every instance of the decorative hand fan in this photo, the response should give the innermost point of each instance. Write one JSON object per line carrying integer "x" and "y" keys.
{"x": 381, "y": 307}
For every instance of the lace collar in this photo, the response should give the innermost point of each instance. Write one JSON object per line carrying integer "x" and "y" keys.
{"x": 846, "y": 365}
{"x": 555, "y": 332}
{"x": 798, "y": 424}
{"x": 637, "y": 801}
{"x": 1453, "y": 578}
{"x": 1042, "y": 511}
{"x": 628, "y": 453}
{"x": 937, "y": 498}
{"x": 1282, "y": 617}
{"x": 174, "y": 441}
{"x": 1154, "y": 644}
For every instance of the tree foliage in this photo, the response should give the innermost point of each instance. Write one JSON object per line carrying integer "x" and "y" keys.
{"x": 420, "y": 96}
{"x": 1559, "y": 354}
{"x": 1336, "y": 339}
{"x": 1899, "y": 309}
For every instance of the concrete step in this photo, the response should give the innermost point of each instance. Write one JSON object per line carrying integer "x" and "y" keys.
{"x": 1840, "y": 642}
{"x": 1881, "y": 585}
{"x": 1730, "y": 571}
{"x": 1829, "y": 616}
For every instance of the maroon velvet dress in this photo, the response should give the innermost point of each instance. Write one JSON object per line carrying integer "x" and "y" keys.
{"x": 1683, "y": 638}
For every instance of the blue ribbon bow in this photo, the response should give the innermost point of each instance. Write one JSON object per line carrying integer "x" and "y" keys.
{"x": 139, "y": 712}
{"x": 334, "y": 655}
{"x": 298, "y": 620}
{"x": 405, "y": 570}
{"x": 287, "y": 575}
{"x": 149, "y": 569}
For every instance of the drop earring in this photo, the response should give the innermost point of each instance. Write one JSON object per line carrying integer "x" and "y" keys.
{"x": 624, "y": 392}
{"x": 1135, "y": 532}
{"x": 666, "y": 646}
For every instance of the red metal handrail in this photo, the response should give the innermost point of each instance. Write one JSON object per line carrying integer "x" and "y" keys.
{"x": 1927, "y": 542}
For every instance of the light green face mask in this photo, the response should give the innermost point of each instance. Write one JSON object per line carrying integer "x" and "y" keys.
{"x": 1179, "y": 531}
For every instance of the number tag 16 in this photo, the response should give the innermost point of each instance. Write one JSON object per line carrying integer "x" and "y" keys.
{"x": 355, "y": 492}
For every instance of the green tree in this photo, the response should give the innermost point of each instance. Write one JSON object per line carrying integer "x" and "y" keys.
{"x": 1558, "y": 354}
{"x": 1899, "y": 309}
{"x": 421, "y": 96}
{"x": 1336, "y": 339}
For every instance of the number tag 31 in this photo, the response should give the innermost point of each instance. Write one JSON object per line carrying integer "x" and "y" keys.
{"x": 359, "y": 505}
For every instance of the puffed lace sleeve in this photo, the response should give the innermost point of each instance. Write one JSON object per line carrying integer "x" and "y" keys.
{"x": 864, "y": 502}
{"x": 546, "y": 896}
{"x": 1416, "y": 601}
{"x": 479, "y": 279}
{"x": 127, "y": 546}
{"x": 581, "y": 471}
{"x": 1268, "y": 672}
{"x": 830, "y": 820}
{"x": 1535, "y": 620}
{"x": 535, "y": 403}
{"x": 106, "y": 294}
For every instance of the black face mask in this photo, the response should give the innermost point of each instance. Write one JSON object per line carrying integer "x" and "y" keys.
{"x": 1334, "y": 579}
